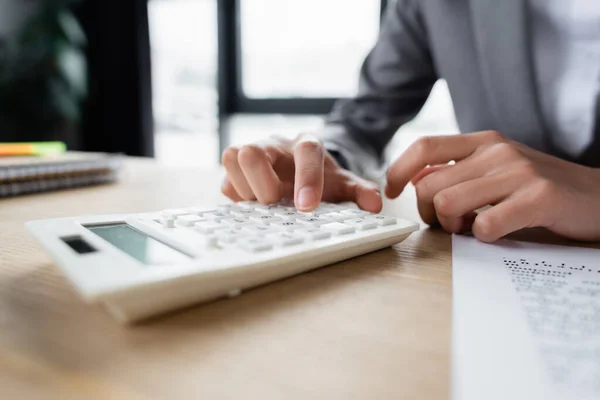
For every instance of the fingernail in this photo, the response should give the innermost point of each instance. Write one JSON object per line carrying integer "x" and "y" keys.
{"x": 306, "y": 198}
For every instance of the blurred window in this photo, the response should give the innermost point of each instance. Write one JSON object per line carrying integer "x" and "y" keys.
{"x": 184, "y": 64}
{"x": 305, "y": 48}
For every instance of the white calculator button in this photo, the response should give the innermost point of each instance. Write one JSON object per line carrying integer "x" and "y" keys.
{"x": 286, "y": 214}
{"x": 355, "y": 213}
{"x": 255, "y": 245}
{"x": 211, "y": 242}
{"x": 320, "y": 210}
{"x": 168, "y": 222}
{"x": 228, "y": 231}
{"x": 242, "y": 212}
{"x": 265, "y": 219}
{"x": 208, "y": 227}
{"x": 286, "y": 239}
{"x": 313, "y": 233}
{"x": 254, "y": 214}
{"x": 339, "y": 228}
{"x": 217, "y": 216}
{"x": 228, "y": 235}
{"x": 189, "y": 220}
{"x": 226, "y": 207}
{"x": 246, "y": 204}
{"x": 235, "y": 222}
{"x": 310, "y": 221}
{"x": 383, "y": 220}
{"x": 361, "y": 223}
{"x": 259, "y": 229}
{"x": 316, "y": 213}
{"x": 175, "y": 213}
{"x": 200, "y": 211}
{"x": 261, "y": 208}
{"x": 333, "y": 216}
{"x": 288, "y": 225}
{"x": 286, "y": 208}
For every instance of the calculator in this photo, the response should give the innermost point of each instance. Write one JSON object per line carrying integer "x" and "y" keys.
{"x": 142, "y": 265}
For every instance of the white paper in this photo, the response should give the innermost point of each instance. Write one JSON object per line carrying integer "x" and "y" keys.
{"x": 526, "y": 321}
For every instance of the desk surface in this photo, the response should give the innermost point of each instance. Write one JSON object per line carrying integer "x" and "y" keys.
{"x": 375, "y": 327}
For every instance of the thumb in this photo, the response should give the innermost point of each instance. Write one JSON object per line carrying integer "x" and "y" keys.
{"x": 368, "y": 197}
{"x": 364, "y": 193}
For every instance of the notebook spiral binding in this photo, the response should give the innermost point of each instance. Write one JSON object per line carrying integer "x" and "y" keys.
{"x": 29, "y": 175}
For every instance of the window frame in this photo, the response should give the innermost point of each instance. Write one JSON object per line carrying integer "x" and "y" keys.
{"x": 232, "y": 98}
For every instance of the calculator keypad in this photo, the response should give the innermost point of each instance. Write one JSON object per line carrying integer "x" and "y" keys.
{"x": 189, "y": 220}
{"x": 208, "y": 227}
{"x": 256, "y": 228}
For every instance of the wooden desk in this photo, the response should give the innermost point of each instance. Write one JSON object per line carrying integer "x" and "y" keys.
{"x": 376, "y": 327}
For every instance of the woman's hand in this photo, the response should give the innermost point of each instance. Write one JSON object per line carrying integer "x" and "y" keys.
{"x": 301, "y": 169}
{"x": 524, "y": 187}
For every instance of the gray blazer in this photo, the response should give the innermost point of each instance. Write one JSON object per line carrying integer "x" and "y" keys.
{"x": 480, "y": 47}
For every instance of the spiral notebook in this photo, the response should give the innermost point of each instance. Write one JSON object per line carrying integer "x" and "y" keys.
{"x": 27, "y": 175}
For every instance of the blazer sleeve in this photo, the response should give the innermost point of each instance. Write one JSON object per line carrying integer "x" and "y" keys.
{"x": 395, "y": 80}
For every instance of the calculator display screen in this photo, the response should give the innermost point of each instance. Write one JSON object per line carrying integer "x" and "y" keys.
{"x": 138, "y": 245}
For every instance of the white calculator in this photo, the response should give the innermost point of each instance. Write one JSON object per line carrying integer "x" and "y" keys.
{"x": 142, "y": 265}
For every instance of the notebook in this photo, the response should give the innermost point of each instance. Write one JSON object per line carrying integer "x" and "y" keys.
{"x": 32, "y": 174}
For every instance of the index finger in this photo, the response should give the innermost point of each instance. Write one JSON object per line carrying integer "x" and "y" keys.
{"x": 432, "y": 150}
{"x": 309, "y": 159}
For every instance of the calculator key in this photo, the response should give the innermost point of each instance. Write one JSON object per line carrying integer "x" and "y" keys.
{"x": 259, "y": 229}
{"x": 228, "y": 235}
{"x": 246, "y": 204}
{"x": 200, "y": 211}
{"x": 175, "y": 213}
{"x": 286, "y": 239}
{"x": 167, "y": 222}
{"x": 361, "y": 223}
{"x": 228, "y": 231}
{"x": 288, "y": 225}
{"x": 217, "y": 216}
{"x": 255, "y": 245}
{"x": 265, "y": 209}
{"x": 211, "y": 243}
{"x": 338, "y": 228}
{"x": 235, "y": 222}
{"x": 265, "y": 219}
{"x": 333, "y": 216}
{"x": 209, "y": 227}
{"x": 226, "y": 207}
{"x": 383, "y": 220}
{"x": 287, "y": 207}
{"x": 321, "y": 209}
{"x": 189, "y": 220}
{"x": 355, "y": 213}
{"x": 315, "y": 213}
{"x": 287, "y": 214}
{"x": 313, "y": 233}
{"x": 242, "y": 212}
{"x": 310, "y": 221}
{"x": 254, "y": 213}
